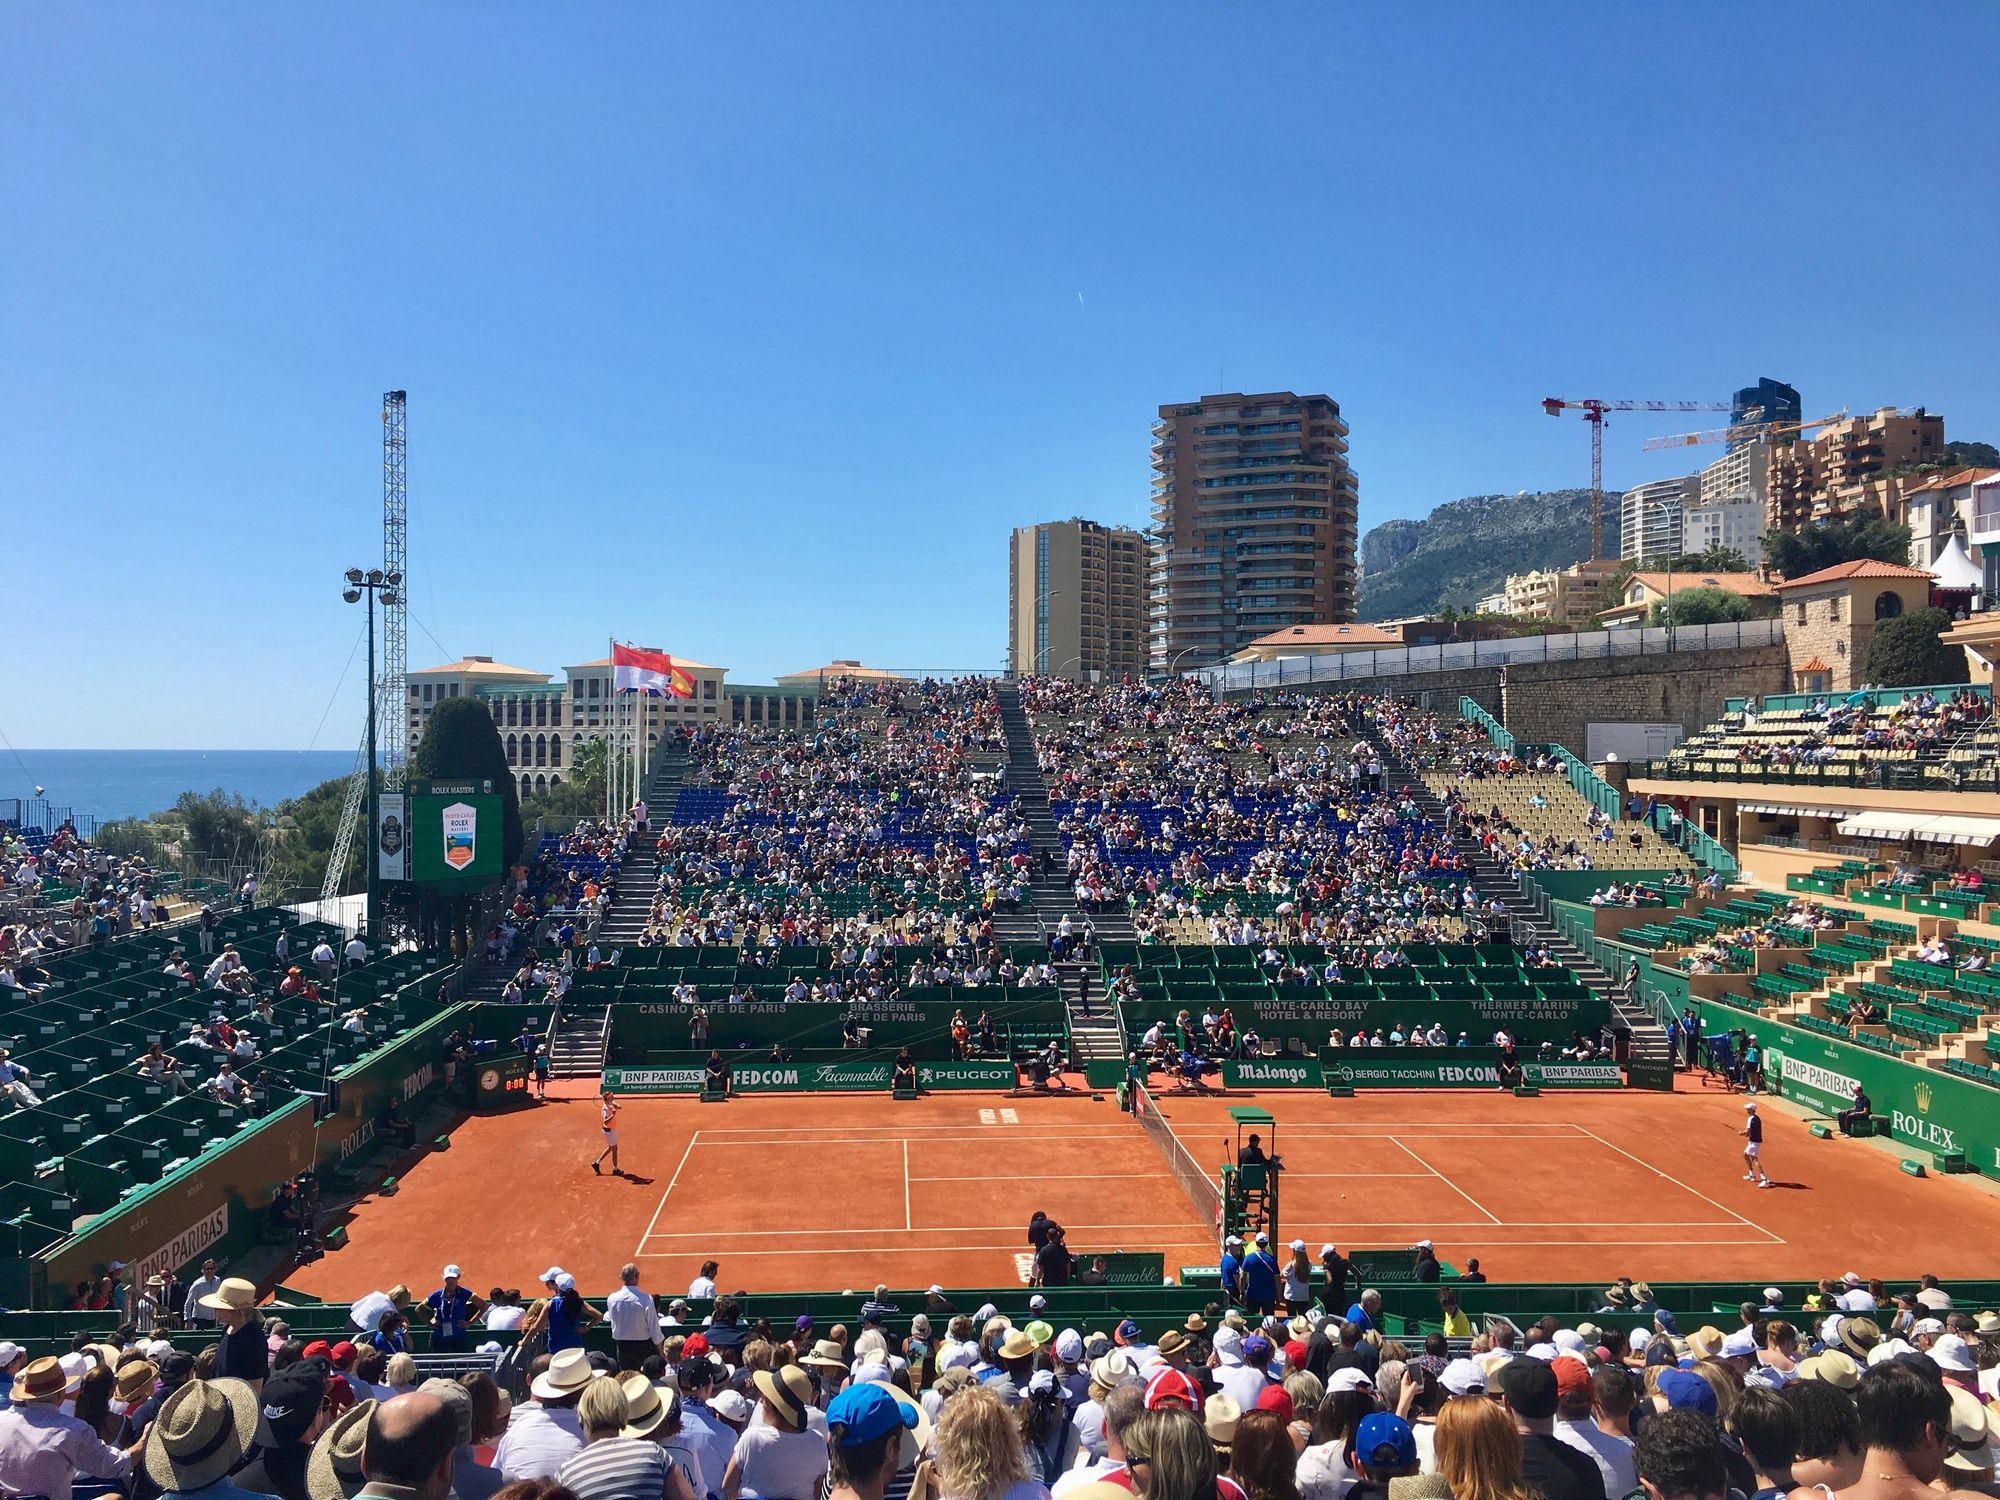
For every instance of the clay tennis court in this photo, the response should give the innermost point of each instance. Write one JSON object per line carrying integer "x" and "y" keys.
{"x": 837, "y": 1191}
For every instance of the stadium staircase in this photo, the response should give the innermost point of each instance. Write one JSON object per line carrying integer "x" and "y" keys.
{"x": 578, "y": 1041}
{"x": 1091, "y": 1036}
{"x": 1525, "y": 920}
{"x": 639, "y": 871}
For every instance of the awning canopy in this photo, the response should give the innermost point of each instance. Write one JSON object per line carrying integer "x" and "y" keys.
{"x": 1929, "y": 827}
{"x": 1785, "y": 812}
{"x": 1960, "y": 830}
{"x": 1883, "y": 825}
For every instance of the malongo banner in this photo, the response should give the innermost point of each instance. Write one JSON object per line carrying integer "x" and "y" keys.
{"x": 809, "y": 1078}
{"x": 1273, "y": 1073}
{"x": 1925, "y": 1107}
{"x": 1362, "y": 1074}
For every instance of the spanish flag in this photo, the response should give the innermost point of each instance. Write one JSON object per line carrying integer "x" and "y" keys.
{"x": 650, "y": 673}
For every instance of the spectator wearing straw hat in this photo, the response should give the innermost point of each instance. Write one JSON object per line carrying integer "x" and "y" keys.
{"x": 243, "y": 1354}
{"x": 199, "y": 1437}
{"x": 42, "y": 1448}
{"x": 333, "y": 1471}
{"x": 778, "y": 1457}
{"x": 544, "y": 1434}
{"x": 613, "y": 1465}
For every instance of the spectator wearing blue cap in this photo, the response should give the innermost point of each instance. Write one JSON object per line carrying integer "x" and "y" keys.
{"x": 1384, "y": 1449}
{"x": 865, "y": 1426}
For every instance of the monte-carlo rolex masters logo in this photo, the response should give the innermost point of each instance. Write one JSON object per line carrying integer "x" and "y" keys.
{"x": 461, "y": 834}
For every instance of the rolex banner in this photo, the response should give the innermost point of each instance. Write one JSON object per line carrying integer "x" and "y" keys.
{"x": 1926, "y": 1107}
{"x": 392, "y": 837}
{"x": 454, "y": 831}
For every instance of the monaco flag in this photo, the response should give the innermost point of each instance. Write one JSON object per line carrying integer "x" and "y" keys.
{"x": 636, "y": 670}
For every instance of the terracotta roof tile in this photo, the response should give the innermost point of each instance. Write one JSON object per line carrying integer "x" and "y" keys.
{"x": 1860, "y": 567}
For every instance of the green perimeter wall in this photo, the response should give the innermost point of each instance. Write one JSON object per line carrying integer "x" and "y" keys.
{"x": 214, "y": 1205}
{"x": 641, "y": 1031}
{"x": 1926, "y": 1109}
{"x": 1530, "y": 1019}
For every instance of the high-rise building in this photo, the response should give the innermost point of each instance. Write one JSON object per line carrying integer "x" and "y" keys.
{"x": 1076, "y": 600}
{"x": 1849, "y": 466}
{"x": 1649, "y": 517}
{"x": 1254, "y": 512}
{"x": 1773, "y": 402}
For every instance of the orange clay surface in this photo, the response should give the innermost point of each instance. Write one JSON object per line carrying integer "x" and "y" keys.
{"x": 830, "y": 1191}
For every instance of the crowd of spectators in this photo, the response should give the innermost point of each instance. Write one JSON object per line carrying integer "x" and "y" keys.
{"x": 890, "y": 820}
{"x": 1263, "y": 820}
{"x": 1290, "y": 1388}
{"x": 59, "y": 892}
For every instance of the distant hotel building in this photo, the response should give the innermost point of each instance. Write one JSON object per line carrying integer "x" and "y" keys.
{"x": 1254, "y": 524}
{"x": 542, "y": 723}
{"x": 1076, "y": 601}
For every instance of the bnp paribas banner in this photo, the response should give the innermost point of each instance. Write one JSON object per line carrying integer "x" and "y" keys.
{"x": 1273, "y": 1073}
{"x": 1925, "y": 1107}
{"x": 1360, "y": 1073}
{"x": 807, "y": 1078}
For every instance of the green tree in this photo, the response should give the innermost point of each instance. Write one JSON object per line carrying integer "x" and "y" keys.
{"x": 460, "y": 743}
{"x": 133, "y": 836}
{"x": 1908, "y": 652}
{"x": 302, "y": 841}
{"x": 1845, "y": 539}
{"x": 1716, "y": 559}
{"x": 216, "y": 825}
{"x": 580, "y": 794}
{"x": 1701, "y": 606}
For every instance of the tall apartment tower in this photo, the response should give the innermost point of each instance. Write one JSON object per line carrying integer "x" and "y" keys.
{"x": 1849, "y": 466}
{"x": 1773, "y": 401}
{"x": 1076, "y": 601}
{"x": 1254, "y": 523}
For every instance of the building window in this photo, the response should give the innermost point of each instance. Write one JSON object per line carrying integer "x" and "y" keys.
{"x": 1833, "y": 610}
{"x": 555, "y": 749}
{"x": 708, "y": 688}
{"x": 513, "y": 750}
{"x": 1888, "y": 604}
{"x": 427, "y": 692}
{"x": 1802, "y": 611}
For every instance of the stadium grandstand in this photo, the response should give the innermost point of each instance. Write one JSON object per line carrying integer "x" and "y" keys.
{"x": 1036, "y": 1069}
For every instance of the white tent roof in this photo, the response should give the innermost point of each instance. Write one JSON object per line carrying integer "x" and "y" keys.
{"x": 1955, "y": 568}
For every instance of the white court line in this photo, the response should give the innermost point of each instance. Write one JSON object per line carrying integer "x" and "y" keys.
{"x": 662, "y": 1207}
{"x": 1013, "y": 1138}
{"x": 970, "y": 1131}
{"x": 1291, "y": 1176}
{"x": 792, "y": 1234}
{"x": 723, "y": 1245}
{"x": 1495, "y": 1218}
{"x": 1776, "y": 1239}
{"x": 1071, "y": 1177}
{"x": 906, "y": 1183}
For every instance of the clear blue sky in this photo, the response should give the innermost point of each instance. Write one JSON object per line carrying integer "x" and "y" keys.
{"x": 749, "y": 330}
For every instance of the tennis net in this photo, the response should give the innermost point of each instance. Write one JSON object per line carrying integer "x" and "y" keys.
{"x": 1200, "y": 1188}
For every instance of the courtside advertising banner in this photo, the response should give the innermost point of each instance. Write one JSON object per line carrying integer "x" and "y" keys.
{"x": 392, "y": 837}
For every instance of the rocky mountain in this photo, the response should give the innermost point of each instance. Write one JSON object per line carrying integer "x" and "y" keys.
{"x": 1465, "y": 549}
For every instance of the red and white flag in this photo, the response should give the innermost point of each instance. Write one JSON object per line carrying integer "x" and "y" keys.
{"x": 636, "y": 670}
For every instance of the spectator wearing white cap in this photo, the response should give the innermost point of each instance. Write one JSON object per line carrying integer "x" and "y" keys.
{"x": 452, "y": 1309}
{"x": 1424, "y": 1263}
{"x": 1297, "y": 1279}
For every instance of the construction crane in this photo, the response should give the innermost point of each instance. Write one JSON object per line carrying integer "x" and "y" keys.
{"x": 1744, "y": 432}
{"x": 390, "y": 696}
{"x": 1593, "y": 411}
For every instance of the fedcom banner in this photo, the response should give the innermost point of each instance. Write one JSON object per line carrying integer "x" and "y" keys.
{"x": 807, "y": 1078}
{"x": 1362, "y": 1074}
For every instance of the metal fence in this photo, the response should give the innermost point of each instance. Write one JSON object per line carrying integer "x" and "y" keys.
{"x": 44, "y": 816}
{"x": 1456, "y": 656}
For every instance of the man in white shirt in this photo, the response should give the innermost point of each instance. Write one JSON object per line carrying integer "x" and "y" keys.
{"x": 357, "y": 952}
{"x": 635, "y": 1322}
{"x": 322, "y": 956}
{"x": 203, "y": 1285}
{"x": 1575, "y": 1428}
{"x": 703, "y": 1286}
{"x": 543, "y": 1434}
